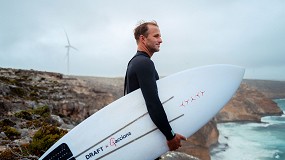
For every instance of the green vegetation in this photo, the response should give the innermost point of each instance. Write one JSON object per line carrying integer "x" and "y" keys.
{"x": 24, "y": 115}
{"x": 8, "y": 80}
{"x": 21, "y": 86}
{"x": 18, "y": 91}
{"x": 6, "y": 126}
{"x": 44, "y": 138}
{"x": 43, "y": 112}
{"x": 7, "y": 122}
{"x": 11, "y": 132}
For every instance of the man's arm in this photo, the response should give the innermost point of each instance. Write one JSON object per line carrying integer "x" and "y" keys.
{"x": 147, "y": 81}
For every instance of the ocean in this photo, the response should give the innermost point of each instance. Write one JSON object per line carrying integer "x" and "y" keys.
{"x": 252, "y": 141}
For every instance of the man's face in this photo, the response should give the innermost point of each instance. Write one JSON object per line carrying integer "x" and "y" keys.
{"x": 153, "y": 40}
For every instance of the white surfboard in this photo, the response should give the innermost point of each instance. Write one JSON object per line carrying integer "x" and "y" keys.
{"x": 123, "y": 129}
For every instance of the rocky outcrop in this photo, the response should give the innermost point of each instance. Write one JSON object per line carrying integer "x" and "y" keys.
{"x": 199, "y": 144}
{"x": 248, "y": 104}
{"x": 177, "y": 156}
{"x": 271, "y": 89}
{"x": 71, "y": 98}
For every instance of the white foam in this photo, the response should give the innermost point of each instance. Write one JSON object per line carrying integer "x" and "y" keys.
{"x": 243, "y": 143}
{"x": 273, "y": 119}
{"x": 251, "y": 140}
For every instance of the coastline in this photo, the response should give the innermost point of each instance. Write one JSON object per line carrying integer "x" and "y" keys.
{"x": 263, "y": 140}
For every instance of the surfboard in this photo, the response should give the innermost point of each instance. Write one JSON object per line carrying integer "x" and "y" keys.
{"x": 123, "y": 129}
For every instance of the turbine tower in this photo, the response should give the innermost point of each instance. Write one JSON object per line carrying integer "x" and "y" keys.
{"x": 68, "y": 46}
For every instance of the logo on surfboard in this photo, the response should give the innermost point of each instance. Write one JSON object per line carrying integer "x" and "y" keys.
{"x": 113, "y": 142}
{"x": 193, "y": 98}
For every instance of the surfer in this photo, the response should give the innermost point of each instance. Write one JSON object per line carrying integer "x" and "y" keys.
{"x": 141, "y": 73}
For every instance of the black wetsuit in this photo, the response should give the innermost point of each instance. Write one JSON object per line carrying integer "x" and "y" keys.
{"x": 141, "y": 73}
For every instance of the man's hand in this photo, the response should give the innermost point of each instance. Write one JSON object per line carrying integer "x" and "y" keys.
{"x": 175, "y": 143}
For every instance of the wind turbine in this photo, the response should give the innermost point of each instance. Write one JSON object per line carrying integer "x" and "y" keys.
{"x": 68, "y": 46}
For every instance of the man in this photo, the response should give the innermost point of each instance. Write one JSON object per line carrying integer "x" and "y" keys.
{"x": 141, "y": 73}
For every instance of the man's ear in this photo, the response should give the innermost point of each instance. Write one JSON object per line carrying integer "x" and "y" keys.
{"x": 142, "y": 38}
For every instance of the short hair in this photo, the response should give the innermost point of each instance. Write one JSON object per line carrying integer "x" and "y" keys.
{"x": 142, "y": 29}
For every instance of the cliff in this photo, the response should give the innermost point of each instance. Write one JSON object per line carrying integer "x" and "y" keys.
{"x": 270, "y": 89}
{"x": 248, "y": 104}
{"x": 32, "y": 100}
{"x": 71, "y": 99}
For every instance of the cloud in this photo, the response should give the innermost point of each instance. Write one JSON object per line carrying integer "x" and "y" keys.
{"x": 195, "y": 33}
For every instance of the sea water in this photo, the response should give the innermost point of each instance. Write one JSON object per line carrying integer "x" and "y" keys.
{"x": 252, "y": 141}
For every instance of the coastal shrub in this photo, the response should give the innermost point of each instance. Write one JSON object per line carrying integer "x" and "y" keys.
{"x": 36, "y": 118}
{"x": 20, "y": 92}
{"x": 7, "y": 80}
{"x": 7, "y": 122}
{"x": 24, "y": 115}
{"x": 16, "y": 152}
{"x": 44, "y": 138}
{"x": 11, "y": 132}
{"x": 36, "y": 123}
{"x": 7, "y": 155}
{"x": 34, "y": 96}
{"x": 42, "y": 111}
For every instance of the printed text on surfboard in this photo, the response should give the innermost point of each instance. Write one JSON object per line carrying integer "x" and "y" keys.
{"x": 113, "y": 142}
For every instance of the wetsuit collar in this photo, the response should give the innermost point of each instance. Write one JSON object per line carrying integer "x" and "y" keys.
{"x": 142, "y": 53}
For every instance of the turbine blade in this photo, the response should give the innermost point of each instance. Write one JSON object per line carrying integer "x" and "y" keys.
{"x": 73, "y": 48}
{"x": 67, "y": 38}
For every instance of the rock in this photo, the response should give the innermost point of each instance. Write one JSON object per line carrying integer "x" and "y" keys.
{"x": 57, "y": 119}
{"x": 69, "y": 97}
{"x": 271, "y": 89}
{"x": 3, "y": 135}
{"x": 177, "y": 156}
{"x": 198, "y": 144}
{"x": 248, "y": 104}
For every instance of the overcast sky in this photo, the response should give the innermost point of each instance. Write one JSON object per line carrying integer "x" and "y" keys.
{"x": 248, "y": 33}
